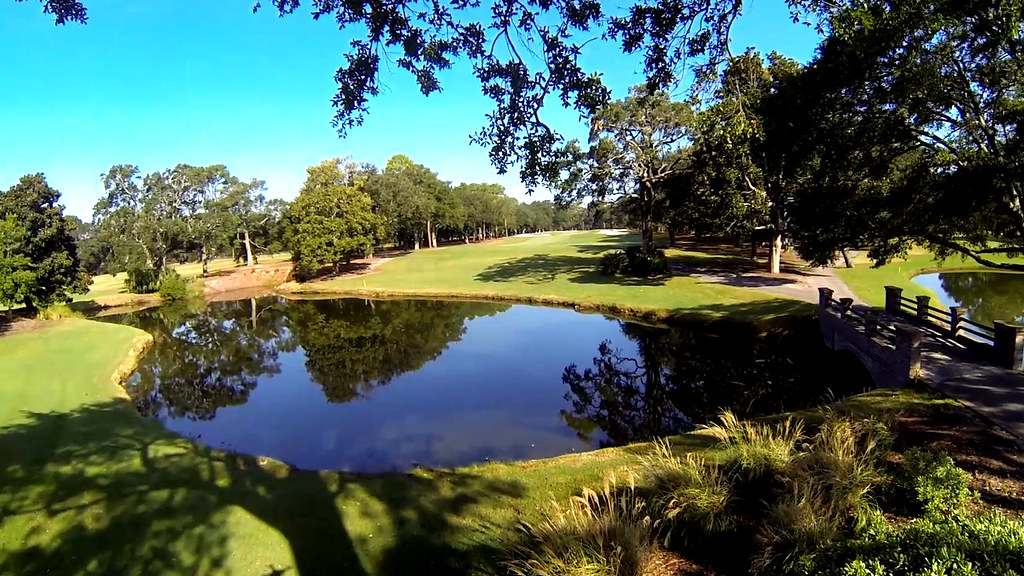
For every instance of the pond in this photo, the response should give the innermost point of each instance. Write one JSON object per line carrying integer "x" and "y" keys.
{"x": 368, "y": 386}
{"x": 985, "y": 296}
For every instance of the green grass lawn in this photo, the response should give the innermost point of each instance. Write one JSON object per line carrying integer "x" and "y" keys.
{"x": 88, "y": 487}
{"x": 561, "y": 268}
{"x": 869, "y": 283}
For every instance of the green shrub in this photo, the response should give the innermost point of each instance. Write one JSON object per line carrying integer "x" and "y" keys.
{"x": 141, "y": 280}
{"x": 607, "y": 533}
{"x": 646, "y": 263}
{"x": 613, "y": 263}
{"x": 956, "y": 544}
{"x": 172, "y": 286}
{"x": 635, "y": 261}
{"x": 930, "y": 482}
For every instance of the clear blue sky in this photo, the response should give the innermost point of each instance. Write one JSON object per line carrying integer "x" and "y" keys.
{"x": 157, "y": 83}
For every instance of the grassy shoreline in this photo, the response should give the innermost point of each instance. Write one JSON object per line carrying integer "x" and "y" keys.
{"x": 766, "y": 309}
{"x": 559, "y": 269}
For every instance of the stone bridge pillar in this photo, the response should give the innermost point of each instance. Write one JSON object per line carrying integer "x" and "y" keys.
{"x": 824, "y": 299}
{"x": 892, "y": 300}
{"x": 1009, "y": 345}
{"x": 908, "y": 353}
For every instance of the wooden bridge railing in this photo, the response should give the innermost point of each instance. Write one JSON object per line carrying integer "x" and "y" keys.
{"x": 1003, "y": 341}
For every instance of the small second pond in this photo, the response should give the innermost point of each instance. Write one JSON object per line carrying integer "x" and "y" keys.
{"x": 985, "y": 296}
{"x": 383, "y": 385}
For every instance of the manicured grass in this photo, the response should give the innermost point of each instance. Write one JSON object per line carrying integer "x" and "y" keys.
{"x": 869, "y": 283}
{"x": 87, "y": 486}
{"x": 561, "y": 268}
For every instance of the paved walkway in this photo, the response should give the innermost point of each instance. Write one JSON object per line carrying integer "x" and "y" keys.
{"x": 797, "y": 284}
{"x": 994, "y": 392}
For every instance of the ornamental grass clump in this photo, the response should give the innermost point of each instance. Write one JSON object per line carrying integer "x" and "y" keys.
{"x": 601, "y": 533}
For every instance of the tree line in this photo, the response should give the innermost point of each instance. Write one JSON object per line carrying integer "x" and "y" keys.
{"x": 197, "y": 213}
{"x": 347, "y": 209}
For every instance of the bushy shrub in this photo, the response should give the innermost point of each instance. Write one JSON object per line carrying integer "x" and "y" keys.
{"x": 607, "y": 533}
{"x": 646, "y": 263}
{"x": 172, "y": 286}
{"x": 955, "y": 544}
{"x": 613, "y": 263}
{"x": 930, "y": 482}
{"x": 141, "y": 280}
{"x": 635, "y": 261}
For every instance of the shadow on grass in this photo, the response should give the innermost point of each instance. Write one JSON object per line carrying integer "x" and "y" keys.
{"x": 544, "y": 268}
{"x": 763, "y": 310}
{"x": 97, "y": 490}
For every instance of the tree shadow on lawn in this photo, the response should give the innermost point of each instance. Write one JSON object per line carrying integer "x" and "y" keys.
{"x": 609, "y": 242}
{"x": 756, "y": 310}
{"x": 96, "y": 490}
{"x": 545, "y": 268}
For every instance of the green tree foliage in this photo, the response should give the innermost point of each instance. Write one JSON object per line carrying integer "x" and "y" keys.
{"x": 179, "y": 213}
{"x": 636, "y": 145}
{"x": 140, "y": 218}
{"x": 332, "y": 220}
{"x": 45, "y": 241}
{"x": 931, "y": 92}
{"x": 250, "y": 214}
{"x": 740, "y": 174}
{"x": 483, "y": 212}
{"x": 411, "y": 198}
{"x": 17, "y": 277}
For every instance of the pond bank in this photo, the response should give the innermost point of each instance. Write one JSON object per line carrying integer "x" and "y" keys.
{"x": 76, "y": 452}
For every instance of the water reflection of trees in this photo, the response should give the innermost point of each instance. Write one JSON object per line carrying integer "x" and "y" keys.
{"x": 353, "y": 346}
{"x": 203, "y": 360}
{"x": 206, "y": 359}
{"x": 987, "y": 296}
{"x": 686, "y": 375}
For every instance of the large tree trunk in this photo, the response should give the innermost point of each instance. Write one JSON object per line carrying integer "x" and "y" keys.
{"x": 846, "y": 258}
{"x": 775, "y": 253}
{"x": 646, "y": 210}
{"x": 429, "y": 235}
{"x": 775, "y": 246}
{"x": 248, "y": 248}
{"x": 206, "y": 261}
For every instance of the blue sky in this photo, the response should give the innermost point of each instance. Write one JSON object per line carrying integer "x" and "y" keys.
{"x": 157, "y": 83}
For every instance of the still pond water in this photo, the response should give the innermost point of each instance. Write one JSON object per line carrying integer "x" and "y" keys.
{"x": 388, "y": 385}
{"x": 985, "y": 296}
